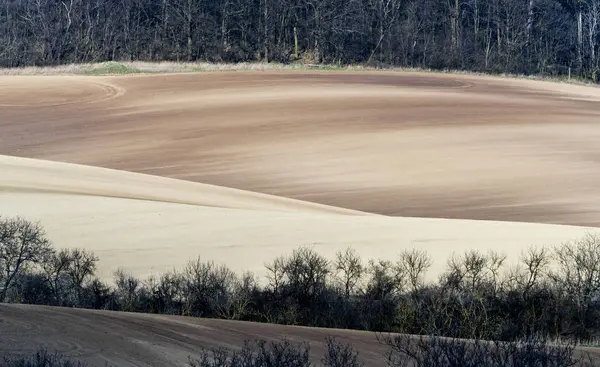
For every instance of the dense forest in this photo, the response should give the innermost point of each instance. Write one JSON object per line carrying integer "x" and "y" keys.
{"x": 547, "y": 37}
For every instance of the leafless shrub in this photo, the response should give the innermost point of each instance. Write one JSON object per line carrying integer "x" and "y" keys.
{"x": 406, "y": 350}
{"x": 260, "y": 353}
{"x": 256, "y": 354}
{"x": 42, "y": 358}
{"x": 340, "y": 355}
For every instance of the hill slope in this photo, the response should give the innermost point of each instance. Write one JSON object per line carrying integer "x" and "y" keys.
{"x": 150, "y": 224}
{"x": 126, "y": 339}
{"x": 402, "y": 144}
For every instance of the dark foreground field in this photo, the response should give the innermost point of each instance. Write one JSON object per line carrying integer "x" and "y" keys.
{"x": 126, "y": 339}
{"x": 132, "y": 339}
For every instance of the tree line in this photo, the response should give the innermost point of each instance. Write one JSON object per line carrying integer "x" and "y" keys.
{"x": 553, "y": 292}
{"x": 547, "y": 37}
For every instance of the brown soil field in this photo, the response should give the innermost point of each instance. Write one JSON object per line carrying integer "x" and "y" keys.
{"x": 149, "y": 171}
{"x": 402, "y": 144}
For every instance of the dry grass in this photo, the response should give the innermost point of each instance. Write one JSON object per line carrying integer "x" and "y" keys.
{"x": 70, "y": 69}
{"x": 130, "y": 67}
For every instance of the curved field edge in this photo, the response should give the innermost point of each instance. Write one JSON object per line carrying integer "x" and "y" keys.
{"x": 332, "y": 142}
{"x": 25, "y": 175}
{"x": 146, "y": 67}
{"x": 153, "y": 224}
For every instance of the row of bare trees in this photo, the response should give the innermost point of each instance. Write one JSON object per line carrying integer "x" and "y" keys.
{"x": 549, "y": 37}
{"x": 28, "y": 261}
{"x": 554, "y": 291}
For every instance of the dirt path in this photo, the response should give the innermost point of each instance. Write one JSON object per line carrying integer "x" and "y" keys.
{"x": 404, "y": 144}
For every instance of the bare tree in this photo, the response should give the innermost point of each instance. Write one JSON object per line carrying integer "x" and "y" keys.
{"x": 81, "y": 266}
{"x": 454, "y": 6}
{"x": 55, "y": 268}
{"x": 592, "y": 18}
{"x": 578, "y": 273}
{"x": 386, "y": 280}
{"x": 306, "y": 272}
{"x": 22, "y": 243}
{"x": 349, "y": 269}
{"x": 127, "y": 288}
{"x": 495, "y": 263}
{"x": 536, "y": 261}
{"x": 225, "y": 293}
{"x": 414, "y": 265}
{"x": 474, "y": 271}
{"x": 276, "y": 273}
{"x": 196, "y": 285}
{"x": 238, "y": 303}
{"x": 166, "y": 292}
{"x": 387, "y": 14}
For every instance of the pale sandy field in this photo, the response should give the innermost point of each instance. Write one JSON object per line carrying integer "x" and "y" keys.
{"x": 150, "y": 171}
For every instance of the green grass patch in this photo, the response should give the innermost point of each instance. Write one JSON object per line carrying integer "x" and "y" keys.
{"x": 109, "y": 68}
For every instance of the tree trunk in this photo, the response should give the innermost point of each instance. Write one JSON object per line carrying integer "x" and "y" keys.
{"x": 476, "y": 19}
{"x": 189, "y": 30}
{"x": 592, "y": 29}
{"x": 266, "y": 31}
{"x": 529, "y": 21}
{"x": 163, "y": 31}
{"x": 317, "y": 55}
{"x": 528, "y": 35}
{"x": 296, "y": 55}
{"x": 8, "y": 278}
{"x": 224, "y": 15}
{"x": 498, "y": 37}
{"x": 4, "y": 289}
{"x": 580, "y": 39}
{"x": 453, "y": 30}
{"x": 456, "y": 22}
